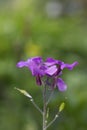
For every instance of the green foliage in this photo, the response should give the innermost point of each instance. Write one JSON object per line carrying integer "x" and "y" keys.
{"x": 61, "y": 107}
{"x": 23, "y": 32}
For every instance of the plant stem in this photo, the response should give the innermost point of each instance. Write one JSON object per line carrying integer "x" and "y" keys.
{"x": 50, "y": 97}
{"x": 35, "y": 105}
{"x": 44, "y": 108}
{"x": 52, "y": 121}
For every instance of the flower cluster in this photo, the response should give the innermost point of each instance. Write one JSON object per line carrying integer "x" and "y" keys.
{"x": 51, "y": 68}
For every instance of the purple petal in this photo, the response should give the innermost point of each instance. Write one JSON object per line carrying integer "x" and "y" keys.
{"x": 61, "y": 85}
{"x": 34, "y": 64}
{"x": 28, "y": 63}
{"x": 21, "y": 64}
{"x": 69, "y": 66}
{"x": 51, "y": 70}
{"x": 38, "y": 80}
{"x": 35, "y": 68}
{"x": 59, "y": 62}
{"x": 37, "y": 60}
{"x": 50, "y": 61}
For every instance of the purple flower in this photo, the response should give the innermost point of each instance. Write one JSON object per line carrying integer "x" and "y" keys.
{"x": 51, "y": 68}
{"x": 54, "y": 70}
{"x": 35, "y": 65}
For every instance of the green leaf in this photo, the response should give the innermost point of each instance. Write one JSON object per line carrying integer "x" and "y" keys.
{"x": 24, "y": 92}
{"x": 47, "y": 115}
{"x": 61, "y": 107}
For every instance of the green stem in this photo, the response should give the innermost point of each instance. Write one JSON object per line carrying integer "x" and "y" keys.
{"x": 44, "y": 108}
{"x": 35, "y": 105}
{"x": 50, "y": 97}
{"x": 56, "y": 116}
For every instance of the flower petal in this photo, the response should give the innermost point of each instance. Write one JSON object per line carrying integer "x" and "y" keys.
{"x": 69, "y": 66}
{"x": 61, "y": 85}
{"x": 38, "y": 80}
{"x": 21, "y": 64}
{"x": 37, "y": 59}
{"x": 51, "y": 70}
{"x": 50, "y": 61}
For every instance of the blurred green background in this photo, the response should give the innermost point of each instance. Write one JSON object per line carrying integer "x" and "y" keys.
{"x": 48, "y": 28}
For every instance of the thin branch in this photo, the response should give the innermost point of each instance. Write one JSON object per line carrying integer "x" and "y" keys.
{"x": 56, "y": 116}
{"x": 44, "y": 108}
{"x": 30, "y": 97}
{"x": 50, "y": 97}
{"x": 35, "y": 105}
